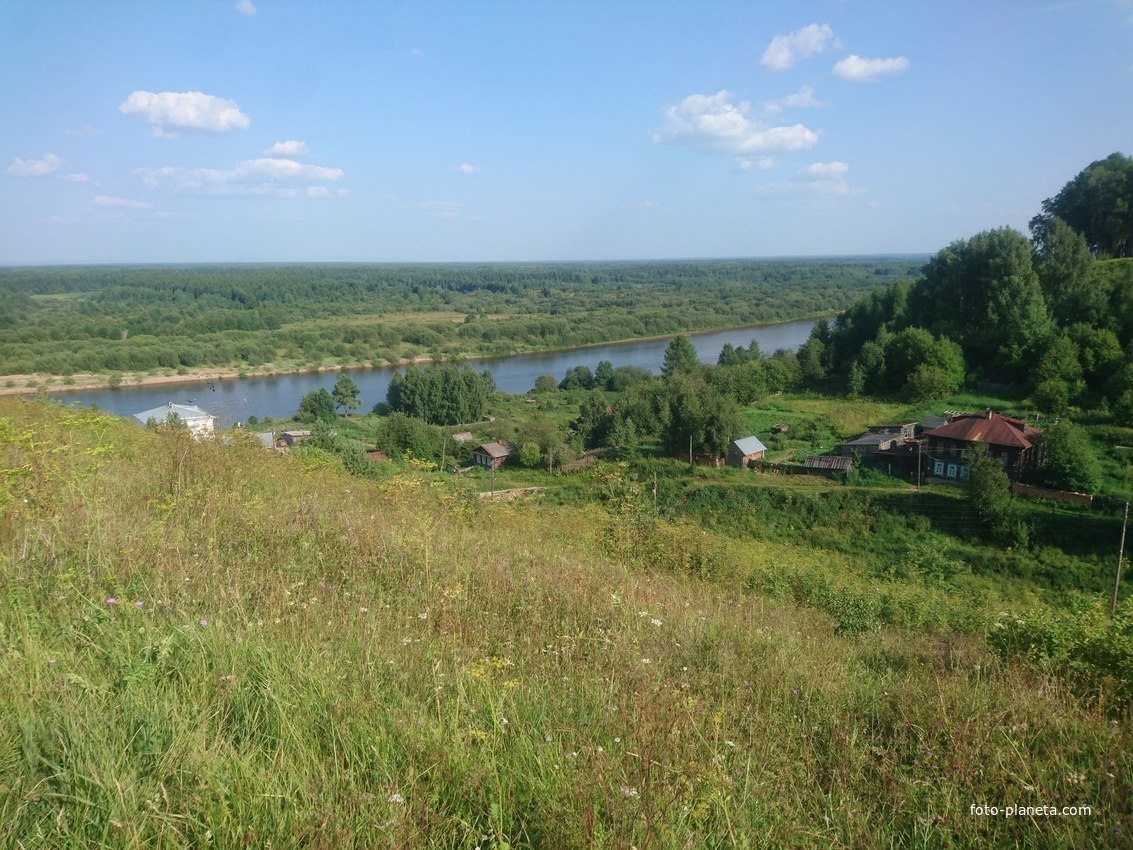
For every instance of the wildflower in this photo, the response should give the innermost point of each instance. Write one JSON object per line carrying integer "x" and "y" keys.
{"x": 424, "y": 615}
{"x": 139, "y": 604}
{"x": 364, "y": 610}
{"x": 52, "y": 661}
{"x": 646, "y": 661}
{"x": 731, "y": 744}
{"x": 655, "y": 622}
{"x": 110, "y": 600}
{"x": 203, "y": 623}
{"x": 628, "y": 792}
{"x": 395, "y": 798}
{"x": 548, "y": 738}
{"x": 643, "y": 613}
{"x": 572, "y": 755}
{"x": 617, "y": 740}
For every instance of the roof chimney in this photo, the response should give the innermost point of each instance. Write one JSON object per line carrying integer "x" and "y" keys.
{"x": 988, "y": 412}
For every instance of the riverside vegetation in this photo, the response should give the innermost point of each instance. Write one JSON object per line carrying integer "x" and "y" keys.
{"x": 162, "y": 319}
{"x": 207, "y": 643}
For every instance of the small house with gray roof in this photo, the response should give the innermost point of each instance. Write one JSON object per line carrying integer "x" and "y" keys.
{"x": 742, "y": 453}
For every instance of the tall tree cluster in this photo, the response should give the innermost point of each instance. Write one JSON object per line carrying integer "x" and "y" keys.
{"x": 440, "y": 395}
{"x": 1053, "y": 313}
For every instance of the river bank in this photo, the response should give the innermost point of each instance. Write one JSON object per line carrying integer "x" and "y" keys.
{"x": 29, "y": 384}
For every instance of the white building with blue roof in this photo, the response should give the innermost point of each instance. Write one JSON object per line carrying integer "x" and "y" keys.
{"x": 199, "y": 422}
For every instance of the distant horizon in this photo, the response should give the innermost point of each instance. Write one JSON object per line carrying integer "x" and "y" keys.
{"x": 639, "y": 260}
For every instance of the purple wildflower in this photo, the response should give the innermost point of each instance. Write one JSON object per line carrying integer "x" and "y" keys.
{"x": 110, "y": 600}
{"x": 139, "y": 604}
{"x": 204, "y": 623}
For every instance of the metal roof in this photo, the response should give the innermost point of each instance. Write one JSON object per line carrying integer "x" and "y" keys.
{"x": 990, "y": 428}
{"x": 184, "y": 412}
{"x": 749, "y": 446}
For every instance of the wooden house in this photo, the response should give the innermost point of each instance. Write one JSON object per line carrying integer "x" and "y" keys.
{"x": 493, "y": 455}
{"x": 1010, "y": 441}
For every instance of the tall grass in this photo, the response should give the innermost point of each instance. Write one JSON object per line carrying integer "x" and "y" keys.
{"x": 208, "y": 644}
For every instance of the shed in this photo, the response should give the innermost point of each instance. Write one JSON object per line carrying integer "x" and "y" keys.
{"x": 199, "y": 422}
{"x": 828, "y": 463}
{"x": 742, "y": 452}
{"x": 293, "y": 438}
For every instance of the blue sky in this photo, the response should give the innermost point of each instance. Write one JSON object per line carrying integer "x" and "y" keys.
{"x": 272, "y": 131}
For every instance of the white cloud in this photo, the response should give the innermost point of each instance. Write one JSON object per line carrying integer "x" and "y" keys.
{"x": 343, "y": 193}
{"x": 802, "y": 99}
{"x": 716, "y": 124}
{"x": 318, "y": 192}
{"x": 785, "y": 50}
{"x": 859, "y": 70}
{"x": 468, "y": 168}
{"x": 75, "y": 177}
{"x": 288, "y": 148}
{"x": 171, "y": 112}
{"x": 34, "y": 167}
{"x": 819, "y": 178}
{"x": 245, "y": 7}
{"x": 826, "y": 170}
{"x": 747, "y": 163}
{"x": 119, "y": 203}
{"x": 262, "y": 176}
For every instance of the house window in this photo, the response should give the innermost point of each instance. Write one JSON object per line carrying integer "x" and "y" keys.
{"x": 951, "y": 470}
{"x": 938, "y": 467}
{"x": 964, "y": 472}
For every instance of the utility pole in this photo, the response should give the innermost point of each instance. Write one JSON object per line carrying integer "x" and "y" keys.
{"x": 655, "y": 492}
{"x": 918, "y": 466}
{"x": 691, "y": 462}
{"x": 1120, "y": 555}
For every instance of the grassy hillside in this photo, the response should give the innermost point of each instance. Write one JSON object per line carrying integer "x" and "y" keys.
{"x": 208, "y": 643}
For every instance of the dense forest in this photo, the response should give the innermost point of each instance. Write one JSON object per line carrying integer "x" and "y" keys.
{"x": 139, "y": 318}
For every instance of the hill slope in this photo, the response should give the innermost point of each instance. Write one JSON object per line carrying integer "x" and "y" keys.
{"x": 211, "y": 643}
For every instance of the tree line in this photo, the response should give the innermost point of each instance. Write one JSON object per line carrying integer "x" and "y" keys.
{"x": 134, "y": 319}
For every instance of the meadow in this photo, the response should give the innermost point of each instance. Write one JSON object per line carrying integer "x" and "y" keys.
{"x": 204, "y": 643}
